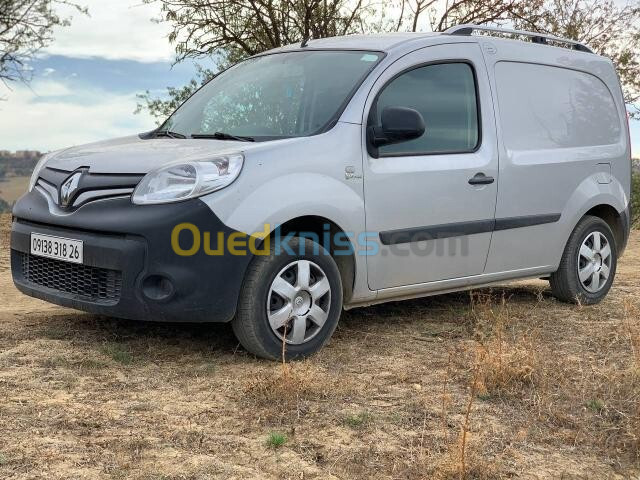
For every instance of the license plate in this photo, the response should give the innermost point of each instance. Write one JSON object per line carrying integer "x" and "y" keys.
{"x": 65, "y": 249}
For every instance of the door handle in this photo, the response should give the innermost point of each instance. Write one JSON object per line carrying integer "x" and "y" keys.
{"x": 481, "y": 179}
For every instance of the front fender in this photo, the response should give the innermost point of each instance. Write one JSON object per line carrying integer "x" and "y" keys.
{"x": 296, "y": 195}
{"x": 287, "y": 197}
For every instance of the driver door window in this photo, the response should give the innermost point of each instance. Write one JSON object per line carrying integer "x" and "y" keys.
{"x": 445, "y": 95}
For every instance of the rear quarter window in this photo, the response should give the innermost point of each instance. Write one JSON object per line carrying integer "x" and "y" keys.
{"x": 545, "y": 107}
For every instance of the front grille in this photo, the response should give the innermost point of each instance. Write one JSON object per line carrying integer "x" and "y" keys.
{"x": 90, "y": 186}
{"x": 96, "y": 284}
{"x": 85, "y": 197}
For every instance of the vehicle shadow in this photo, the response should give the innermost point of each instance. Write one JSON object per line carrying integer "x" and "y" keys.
{"x": 152, "y": 339}
{"x": 156, "y": 339}
{"x": 454, "y": 303}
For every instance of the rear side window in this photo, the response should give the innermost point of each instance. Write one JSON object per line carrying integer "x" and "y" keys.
{"x": 543, "y": 107}
{"x": 445, "y": 95}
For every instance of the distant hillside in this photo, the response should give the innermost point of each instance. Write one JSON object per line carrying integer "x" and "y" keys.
{"x": 18, "y": 164}
{"x": 15, "y": 170}
{"x": 12, "y": 188}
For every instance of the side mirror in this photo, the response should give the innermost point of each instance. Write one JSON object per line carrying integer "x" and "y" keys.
{"x": 399, "y": 124}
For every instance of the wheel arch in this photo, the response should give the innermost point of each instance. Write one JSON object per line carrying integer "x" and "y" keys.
{"x": 606, "y": 201}
{"x": 302, "y": 201}
{"x": 332, "y": 237}
{"x": 615, "y": 221}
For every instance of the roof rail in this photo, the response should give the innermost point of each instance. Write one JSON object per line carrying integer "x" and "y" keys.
{"x": 540, "y": 38}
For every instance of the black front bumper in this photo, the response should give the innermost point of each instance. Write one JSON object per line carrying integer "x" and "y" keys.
{"x": 130, "y": 269}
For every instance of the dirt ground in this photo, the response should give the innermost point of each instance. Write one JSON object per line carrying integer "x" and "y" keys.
{"x": 505, "y": 383}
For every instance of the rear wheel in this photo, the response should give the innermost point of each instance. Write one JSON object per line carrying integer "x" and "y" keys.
{"x": 295, "y": 299}
{"x": 588, "y": 265}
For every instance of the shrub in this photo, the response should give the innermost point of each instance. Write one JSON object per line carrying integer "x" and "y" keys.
{"x": 635, "y": 199}
{"x": 358, "y": 420}
{"x": 276, "y": 440}
{"x": 119, "y": 353}
{"x": 4, "y": 206}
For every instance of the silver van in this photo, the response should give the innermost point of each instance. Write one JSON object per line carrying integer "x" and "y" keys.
{"x": 340, "y": 173}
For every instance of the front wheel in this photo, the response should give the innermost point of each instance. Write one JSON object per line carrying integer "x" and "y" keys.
{"x": 295, "y": 299}
{"x": 588, "y": 265}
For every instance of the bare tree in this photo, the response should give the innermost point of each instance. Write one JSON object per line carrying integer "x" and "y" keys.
{"x": 234, "y": 29}
{"x": 26, "y": 26}
{"x": 610, "y": 29}
{"x": 483, "y": 12}
{"x": 416, "y": 7}
{"x": 230, "y": 30}
{"x": 240, "y": 28}
{"x": 443, "y": 14}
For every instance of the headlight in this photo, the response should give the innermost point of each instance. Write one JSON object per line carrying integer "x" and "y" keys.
{"x": 182, "y": 180}
{"x": 36, "y": 171}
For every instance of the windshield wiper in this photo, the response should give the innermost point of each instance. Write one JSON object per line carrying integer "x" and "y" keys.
{"x": 223, "y": 136}
{"x": 168, "y": 133}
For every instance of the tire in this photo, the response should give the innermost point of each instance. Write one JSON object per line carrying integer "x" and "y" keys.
{"x": 566, "y": 283}
{"x": 287, "y": 305}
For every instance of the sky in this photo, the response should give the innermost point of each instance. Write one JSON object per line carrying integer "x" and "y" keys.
{"x": 85, "y": 83}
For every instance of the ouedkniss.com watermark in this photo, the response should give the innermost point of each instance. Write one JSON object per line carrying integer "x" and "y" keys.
{"x": 188, "y": 240}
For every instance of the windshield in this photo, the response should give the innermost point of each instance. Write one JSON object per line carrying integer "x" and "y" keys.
{"x": 275, "y": 96}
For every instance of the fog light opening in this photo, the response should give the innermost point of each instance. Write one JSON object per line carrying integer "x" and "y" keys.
{"x": 157, "y": 287}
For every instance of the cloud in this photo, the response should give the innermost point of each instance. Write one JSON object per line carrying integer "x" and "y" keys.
{"x": 45, "y": 88}
{"x": 115, "y": 29}
{"x": 72, "y": 101}
{"x": 49, "y": 116}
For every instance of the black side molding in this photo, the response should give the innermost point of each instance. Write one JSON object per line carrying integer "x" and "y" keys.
{"x": 449, "y": 230}
{"x": 528, "y": 221}
{"x": 419, "y": 234}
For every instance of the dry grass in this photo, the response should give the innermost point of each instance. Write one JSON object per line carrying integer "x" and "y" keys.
{"x": 499, "y": 384}
{"x": 12, "y": 188}
{"x": 506, "y": 357}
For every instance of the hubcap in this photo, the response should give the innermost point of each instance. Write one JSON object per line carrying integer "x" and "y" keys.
{"x": 594, "y": 262}
{"x": 298, "y": 302}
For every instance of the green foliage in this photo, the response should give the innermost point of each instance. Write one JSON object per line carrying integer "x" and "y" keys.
{"x": 358, "y": 420}
{"x": 276, "y": 440}
{"x": 595, "y": 405}
{"x": 118, "y": 352}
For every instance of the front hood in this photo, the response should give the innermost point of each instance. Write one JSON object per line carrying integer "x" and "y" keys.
{"x": 135, "y": 155}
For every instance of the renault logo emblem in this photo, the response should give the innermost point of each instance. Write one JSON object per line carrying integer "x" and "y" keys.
{"x": 69, "y": 188}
